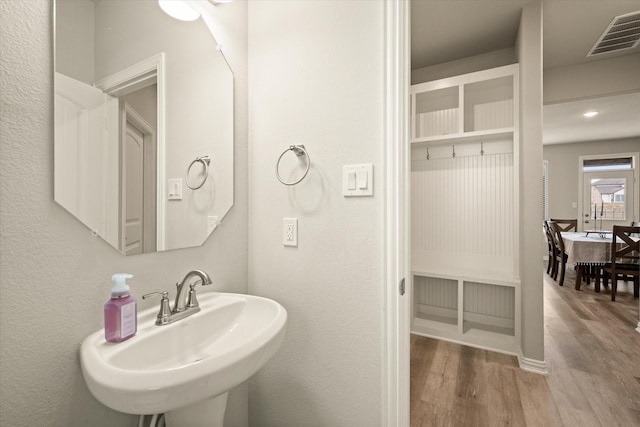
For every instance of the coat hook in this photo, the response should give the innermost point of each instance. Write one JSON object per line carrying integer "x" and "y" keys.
{"x": 453, "y": 147}
{"x": 481, "y": 148}
{"x": 428, "y": 156}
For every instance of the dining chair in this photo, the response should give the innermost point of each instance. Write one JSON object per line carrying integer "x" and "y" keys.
{"x": 566, "y": 224}
{"x": 550, "y": 246}
{"x": 560, "y": 256}
{"x": 625, "y": 259}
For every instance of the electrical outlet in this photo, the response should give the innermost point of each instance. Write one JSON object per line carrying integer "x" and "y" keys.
{"x": 290, "y": 231}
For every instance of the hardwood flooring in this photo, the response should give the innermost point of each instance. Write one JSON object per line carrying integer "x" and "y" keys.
{"x": 592, "y": 352}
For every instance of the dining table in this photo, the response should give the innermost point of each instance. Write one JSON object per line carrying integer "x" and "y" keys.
{"x": 587, "y": 249}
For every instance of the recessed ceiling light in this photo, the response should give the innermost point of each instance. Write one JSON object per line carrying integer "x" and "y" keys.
{"x": 590, "y": 114}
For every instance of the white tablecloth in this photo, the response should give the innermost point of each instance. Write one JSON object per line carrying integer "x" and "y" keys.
{"x": 581, "y": 249}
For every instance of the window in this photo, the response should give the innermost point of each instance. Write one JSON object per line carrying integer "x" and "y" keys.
{"x": 607, "y": 199}
{"x": 608, "y": 189}
{"x": 619, "y": 163}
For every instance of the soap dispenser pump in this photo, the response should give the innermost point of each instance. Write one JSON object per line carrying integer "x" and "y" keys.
{"x": 121, "y": 311}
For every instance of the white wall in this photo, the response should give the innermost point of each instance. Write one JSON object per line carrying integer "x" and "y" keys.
{"x": 564, "y": 168}
{"x": 55, "y": 276}
{"x": 317, "y": 79}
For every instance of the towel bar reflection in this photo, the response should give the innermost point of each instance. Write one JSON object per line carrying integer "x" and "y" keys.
{"x": 299, "y": 151}
{"x": 205, "y": 160}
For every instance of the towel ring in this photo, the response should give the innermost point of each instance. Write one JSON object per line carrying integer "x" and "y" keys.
{"x": 205, "y": 160}
{"x": 299, "y": 150}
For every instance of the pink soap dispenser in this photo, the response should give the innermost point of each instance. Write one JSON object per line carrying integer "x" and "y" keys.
{"x": 120, "y": 312}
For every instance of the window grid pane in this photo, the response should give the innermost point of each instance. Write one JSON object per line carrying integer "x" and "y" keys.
{"x": 607, "y": 199}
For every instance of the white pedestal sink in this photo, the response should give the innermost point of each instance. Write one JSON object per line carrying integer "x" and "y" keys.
{"x": 185, "y": 369}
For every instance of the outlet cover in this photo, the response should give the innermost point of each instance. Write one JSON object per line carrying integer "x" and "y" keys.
{"x": 290, "y": 231}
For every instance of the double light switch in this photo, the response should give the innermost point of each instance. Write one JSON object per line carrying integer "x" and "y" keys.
{"x": 357, "y": 180}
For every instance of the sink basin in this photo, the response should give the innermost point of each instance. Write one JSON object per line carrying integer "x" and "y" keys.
{"x": 168, "y": 368}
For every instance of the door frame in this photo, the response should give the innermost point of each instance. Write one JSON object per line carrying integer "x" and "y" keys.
{"x": 137, "y": 76}
{"x": 396, "y": 338}
{"x": 636, "y": 177}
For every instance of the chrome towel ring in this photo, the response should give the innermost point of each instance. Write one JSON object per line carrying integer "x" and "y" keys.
{"x": 205, "y": 162}
{"x": 299, "y": 150}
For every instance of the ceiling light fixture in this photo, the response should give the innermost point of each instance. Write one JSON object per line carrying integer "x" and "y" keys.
{"x": 590, "y": 114}
{"x": 179, "y": 9}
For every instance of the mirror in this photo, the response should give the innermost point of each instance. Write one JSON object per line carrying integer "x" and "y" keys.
{"x": 143, "y": 145}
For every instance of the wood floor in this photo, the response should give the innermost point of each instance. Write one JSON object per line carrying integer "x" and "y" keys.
{"x": 592, "y": 352}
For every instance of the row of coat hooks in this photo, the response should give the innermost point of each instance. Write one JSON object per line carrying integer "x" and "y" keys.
{"x": 453, "y": 151}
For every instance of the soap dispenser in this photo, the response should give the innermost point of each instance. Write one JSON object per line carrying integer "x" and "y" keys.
{"x": 121, "y": 311}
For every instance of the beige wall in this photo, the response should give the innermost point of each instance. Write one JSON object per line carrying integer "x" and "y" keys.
{"x": 54, "y": 275}
{"x": 564, "y": 167}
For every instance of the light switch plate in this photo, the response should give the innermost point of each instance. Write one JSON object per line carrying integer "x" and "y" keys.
{"x": 175, "y": 188}
{"x": 364, "y": 180}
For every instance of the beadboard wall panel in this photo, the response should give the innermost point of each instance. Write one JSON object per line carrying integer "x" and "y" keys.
{"x": 492, "y": 115}
{"x": 462, "y": 213}
{"x": 491, "y": 300}
{"x": 439, "y": 122}
{"x": 435, "y": 291}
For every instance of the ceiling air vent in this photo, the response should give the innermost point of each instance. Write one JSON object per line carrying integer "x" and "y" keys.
{"x": 622, "y": 33}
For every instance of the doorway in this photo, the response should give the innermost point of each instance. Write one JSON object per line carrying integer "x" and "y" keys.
{"x": 142, "y": 86}
{"x": 138, "y": 179}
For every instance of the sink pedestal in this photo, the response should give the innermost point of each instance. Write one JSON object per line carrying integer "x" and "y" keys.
{"x": 208, "y": 413}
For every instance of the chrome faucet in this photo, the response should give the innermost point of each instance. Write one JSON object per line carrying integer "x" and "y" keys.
{"x": 183, "y": 306}
{"x": 180, "y": 304}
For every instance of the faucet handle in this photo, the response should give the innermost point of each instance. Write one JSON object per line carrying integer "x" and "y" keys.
{"x": 164, "y": 294}
{"x": 165, "y": 309}
{"x": 192, "y": 301}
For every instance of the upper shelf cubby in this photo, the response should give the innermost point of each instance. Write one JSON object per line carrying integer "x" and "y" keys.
{"x": 470, "y": 105}
{"x": 437, "y": 112}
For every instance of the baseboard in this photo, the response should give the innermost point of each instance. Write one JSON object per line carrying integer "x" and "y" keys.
{"x": 533, "y": 365}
